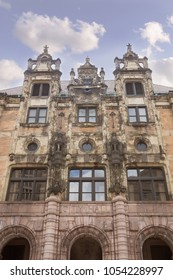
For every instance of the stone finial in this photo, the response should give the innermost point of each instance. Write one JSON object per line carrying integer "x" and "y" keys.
{"x": 87, "y": 60}
{"x": 129, "y": 47}
{"x": 72, "y": 74}
{"x": 45, "y": 49}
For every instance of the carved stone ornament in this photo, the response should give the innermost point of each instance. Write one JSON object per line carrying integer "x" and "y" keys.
{"x": 56, "y": 188}
{"x": 117, "y": 188}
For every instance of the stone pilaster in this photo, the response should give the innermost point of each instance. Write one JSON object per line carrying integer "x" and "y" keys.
{"x": 120, "y": 227}
{"x": 51, "y": 225}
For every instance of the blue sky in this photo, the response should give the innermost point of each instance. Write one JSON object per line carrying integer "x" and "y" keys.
{"x": 74, "y": 29}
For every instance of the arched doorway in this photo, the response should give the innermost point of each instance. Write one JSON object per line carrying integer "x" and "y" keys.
{"x": 86, "y": 248}
{"x": 156, "y": 249}
{"x": 16, "y": 249}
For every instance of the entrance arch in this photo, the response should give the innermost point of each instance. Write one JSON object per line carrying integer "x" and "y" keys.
{"x": 18, "y": 236}
{"x": 82, "y": 235}
{"x": 86, "y": 248}
{"x": 154, "y": 236}
{"x": 156, "y": 249}
{"x": 16, "y": 249}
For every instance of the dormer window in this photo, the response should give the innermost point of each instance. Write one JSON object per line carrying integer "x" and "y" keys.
{"x": 40, "y": 90}
{"x": 134, "y": 88}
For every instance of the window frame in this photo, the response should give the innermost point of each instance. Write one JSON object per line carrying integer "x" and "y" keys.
{"x": 40, "y": 90}
{"x": 151, "y": 181}
{"x": 87, "y": 115}
{"x": 37, "y": 115}
{"x": 134, "y": 90}
{"x": 137, "y": 114}
{"x": 91, "y": 179}
{"x": 33, "y": 185}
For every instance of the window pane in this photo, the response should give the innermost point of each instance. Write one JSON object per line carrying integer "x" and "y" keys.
{"x": 143, "y": 119}
{"x": 36, "y": 89}
{"x": 86, "y": 187}
{"x": 92, "y": 119}
{"x": 92, "y": 112}
{"x": 132, "y": 173}
{"x": 32, "y": 112}
{"x": 86, "y": 197}
{"x": 41, "y": 173}
{"x": 82, "y": 112}
{"x": 139, "y": 89}
{"x": 17, "y": 173}
{"x": 86, "y": 173}
{"x": 142, "y": 111}
{"x": 41, "y": 120}
{"x": 45, "y": 90}
{"x": 134, "y": 187}
{"x": 99, "y": 173}
{"x": 82, "y": 119}
{"x": 144, "y": 172}
{"x": 129, "y": 88}
{"x": 74, "y": 173}
{"x": 132, "y": 111}
{"x": 73, "y": 197}
{"x": 42, "y": 112}
{"x": 99, "y": 186}
{"x": 74, "y": 187}
{"x": 100, "y": 197}
{"x": 147, "y": 193}
{"x": 132, "y": 119}
{"x": 157, "y": 172}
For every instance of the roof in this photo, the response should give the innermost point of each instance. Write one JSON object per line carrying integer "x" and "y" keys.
{"x": 158, "y": 89}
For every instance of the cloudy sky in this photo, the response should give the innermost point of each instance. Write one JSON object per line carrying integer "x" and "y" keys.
{"x": 74, "y": 29}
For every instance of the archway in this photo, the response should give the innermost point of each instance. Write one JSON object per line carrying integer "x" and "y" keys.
{"x": 156, "y": 249}
{"x": 86, "y": 248}
{"x": 16, "y": 249}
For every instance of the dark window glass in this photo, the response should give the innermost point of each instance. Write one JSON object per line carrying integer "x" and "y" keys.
{"x": 37, "y": 115}
{"x": 87, "y": 114}
{"x": 137, "y": 114}
{"x": 32, "y": 147}
{"x": 147, "y": 184}
{"x": 87, "y": 185}
{"x": 134, "y": 88}
{"x": 141, "y": 146}
{"x": 27, "y": 184}
{"x": 40, "y": 90}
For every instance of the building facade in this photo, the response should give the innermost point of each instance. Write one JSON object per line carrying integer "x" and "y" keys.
{"x": 86, "y": 166}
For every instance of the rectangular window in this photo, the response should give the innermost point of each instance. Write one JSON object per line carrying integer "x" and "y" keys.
{"x": 27, "y": 184}
{"x": 134, "y": 88}
{"x": 137, "y": 114}
{"x": 37, "y": 115}
{"x": 87, "y": 114}
{"x": 87, "y": 185}
{"x": 146, "y": 184}
{"x": 40, "y": 90}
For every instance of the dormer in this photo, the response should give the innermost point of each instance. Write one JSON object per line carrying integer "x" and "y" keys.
{"x": 88, "y": 79}
{"x": 44, "y": 62}
{"x": 130, "y": 62}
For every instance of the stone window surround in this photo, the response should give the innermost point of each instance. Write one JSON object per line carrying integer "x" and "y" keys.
{"x": 150, "y": 190}
{"x": 37, "y": 116}
{"x": 137, "y": 114}
{"x": 135, "y": 91}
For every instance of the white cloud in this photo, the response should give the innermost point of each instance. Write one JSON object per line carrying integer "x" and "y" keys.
{"x": 153, "y": 32}
{"x": 162, "y": 71}
{"x": 59, "y": 34}
{"x": 5, "y": 5}
{"x": 11, "y": 74}
{"x": 170, "y": 20}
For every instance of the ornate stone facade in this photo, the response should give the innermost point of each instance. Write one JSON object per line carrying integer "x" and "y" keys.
{"x": 86, "y": 164}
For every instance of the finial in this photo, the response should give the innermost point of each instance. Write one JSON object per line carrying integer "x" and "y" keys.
{"x": 45, "y": 49}
{"x": 129, "y": 47}
{"x": 72, "y": 73}
{"x": 87, "y": 60}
